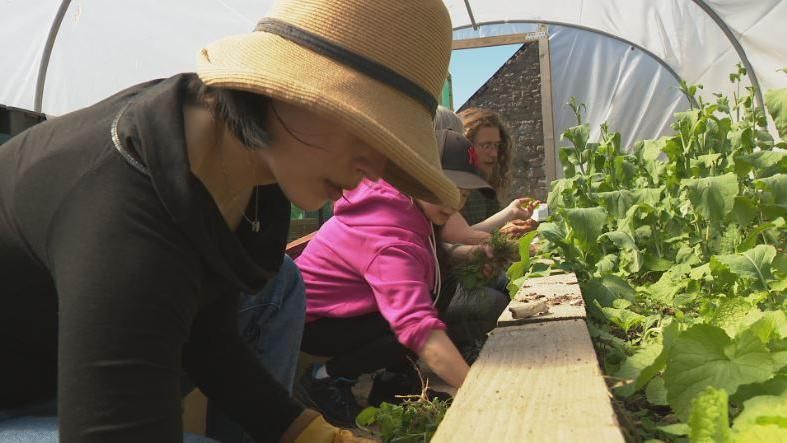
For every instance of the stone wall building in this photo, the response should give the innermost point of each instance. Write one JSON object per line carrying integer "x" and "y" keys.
{"x": 514, "y": 92}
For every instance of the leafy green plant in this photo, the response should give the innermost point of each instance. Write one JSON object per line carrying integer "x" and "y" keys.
{"x": 480, "y": 270}
{"x": 678, "y": 245}
{"x": 414, "y": 420}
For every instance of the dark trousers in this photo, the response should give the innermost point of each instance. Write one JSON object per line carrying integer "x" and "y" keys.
{"x": 364, "y": 344}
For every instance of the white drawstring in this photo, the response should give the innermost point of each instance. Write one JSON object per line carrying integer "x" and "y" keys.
{"x": 438, "y": 284}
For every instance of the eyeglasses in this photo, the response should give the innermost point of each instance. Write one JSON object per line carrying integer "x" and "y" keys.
{"x": 486, "y": 147}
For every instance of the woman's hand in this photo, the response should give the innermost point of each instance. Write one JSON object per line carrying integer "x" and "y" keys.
{"x": 516, "y": 211}
{"x": 517, "y": 228}
{"x": 485, "y": 250}
{"x": 521, "y": 208}
{"x": 442, "y": 357}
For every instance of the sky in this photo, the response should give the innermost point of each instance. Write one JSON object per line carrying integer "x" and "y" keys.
{"x": 471, "y": 68}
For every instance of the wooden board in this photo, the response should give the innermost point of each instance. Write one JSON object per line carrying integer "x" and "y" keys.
{"x": 533, "y": 383}
{"x": 482, "y": 42}
{"x": 562, "y": 293}
{"x": 295, "y": 247}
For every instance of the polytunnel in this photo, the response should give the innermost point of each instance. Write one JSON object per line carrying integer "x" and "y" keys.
{"x": 623, "y": 58}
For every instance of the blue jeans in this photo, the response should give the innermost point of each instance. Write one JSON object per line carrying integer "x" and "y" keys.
{"x": 272, "y": 324}
{"x": 38, "y": 424}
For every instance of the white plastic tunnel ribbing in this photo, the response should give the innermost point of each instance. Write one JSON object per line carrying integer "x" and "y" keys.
{"x": 102, "y": 47}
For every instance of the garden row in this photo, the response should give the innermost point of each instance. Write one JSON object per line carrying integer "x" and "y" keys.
{"x": 678, "y": 246}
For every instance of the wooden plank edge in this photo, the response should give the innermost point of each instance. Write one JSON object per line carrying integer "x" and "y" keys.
{"x": 483, "y": 42}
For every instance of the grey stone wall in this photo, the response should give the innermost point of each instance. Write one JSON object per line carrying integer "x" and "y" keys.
{"x": 515, "y": 93}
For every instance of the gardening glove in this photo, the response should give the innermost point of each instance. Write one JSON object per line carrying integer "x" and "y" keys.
{"x": 320, "y": 431}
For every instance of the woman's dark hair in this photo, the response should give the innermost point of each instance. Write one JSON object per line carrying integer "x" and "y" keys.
{"x": 242, "y": 112}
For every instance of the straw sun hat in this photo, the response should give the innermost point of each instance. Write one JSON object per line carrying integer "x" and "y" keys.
{"x": 378, "y": 66}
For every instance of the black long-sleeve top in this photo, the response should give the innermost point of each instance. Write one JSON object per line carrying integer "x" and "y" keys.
{"x": 113, "y": 282}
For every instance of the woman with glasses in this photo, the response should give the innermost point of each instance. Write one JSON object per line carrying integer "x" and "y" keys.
{"x": 491, "y": 153}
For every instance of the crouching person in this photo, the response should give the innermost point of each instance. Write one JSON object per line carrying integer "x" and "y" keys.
{"x": 376, "y": 292}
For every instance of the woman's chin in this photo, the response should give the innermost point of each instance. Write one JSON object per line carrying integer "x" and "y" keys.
{"x": 309, "y": 204}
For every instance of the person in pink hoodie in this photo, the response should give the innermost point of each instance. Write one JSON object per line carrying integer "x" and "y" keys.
{"x": 377, "y": 287}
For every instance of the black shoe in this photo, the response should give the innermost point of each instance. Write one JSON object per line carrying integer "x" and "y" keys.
{"x": 388, "y": 385}
{"x": 331, "y": 396}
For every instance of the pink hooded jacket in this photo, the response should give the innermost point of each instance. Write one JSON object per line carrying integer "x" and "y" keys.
{"x": 373, "y": 255}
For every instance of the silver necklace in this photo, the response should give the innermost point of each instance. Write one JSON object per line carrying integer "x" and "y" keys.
{"x": 255, "y": 224}
{"x": 136, "y": 164}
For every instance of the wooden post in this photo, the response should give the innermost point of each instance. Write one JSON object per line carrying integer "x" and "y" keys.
{"x": 547, "y": 115}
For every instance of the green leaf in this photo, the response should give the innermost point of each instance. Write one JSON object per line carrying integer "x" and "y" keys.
{"x": 774, "y": 194}
{"x": 569, "y": 160}
{"x": 623, "y": 318}
{"x": 775, "y": 386}
{"x": 705, "y": 356}
{"x": 767, "y": 411}
{"x": 668, "y": 335}
{"x": 518, "y": 269}
{"x": 656, "y": 393}
{"x": 754, "y": 264}
{"x": 578, "y": 135}
{"x": 760, "y": 434}
{"x": 754, "y": 234}
{"x": 625, "y": 171}
{"x": 650, "y": 152}
{"x": 744, "y": 210}
{"x": 668, "y": 286}
{"x": 633, "y": 366}
{"x": 704, "y": 162}
{"x": 677, "y": 429}
{"x": 712, "y": 197}
{"x": 607, "y": 264}
{"x": 586, "y": 223}
{"x": 524, "y": 247}
{"x": 733, "y": 314}
{"x": 366, "y": 417}
{"x": 771, "y": 325}
{"x": 617, "y": 203}
{"x": 708, "y": 421}
{"x": 605, "y": 291}
{"x": 762, "y": 163}
{"x": 557, "y": 189}
{"x": 655, "y": 263}
{"x": 776, "y": 102}
{"x": 553, "y": 232}
{"x": 621, "y": 239}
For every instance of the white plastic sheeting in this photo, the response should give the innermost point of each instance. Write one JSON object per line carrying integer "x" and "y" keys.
{"x": 620, "y": 85}
{"x": 103, "y": 47}
{"x": 676, "y": 31}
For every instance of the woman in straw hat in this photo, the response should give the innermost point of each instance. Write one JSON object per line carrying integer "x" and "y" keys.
{"x": 129, "y": 228}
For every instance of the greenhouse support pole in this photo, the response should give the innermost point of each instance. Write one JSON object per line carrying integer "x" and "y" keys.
{"x": 738, "y": 49}
{"x": 547, "y": 111}
{"x": 470, "y": 14}
{"x": 50, "y": 43}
